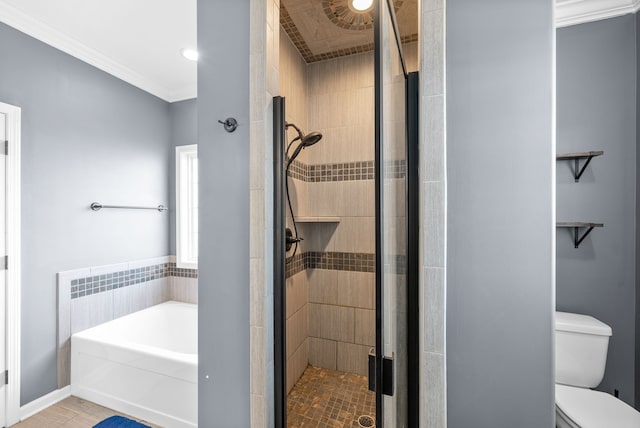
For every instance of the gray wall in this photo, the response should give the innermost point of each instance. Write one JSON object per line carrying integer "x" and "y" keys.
{"x": 86, "y": 136}
{"x": 596, "y": 110}
{"x": 500, "y": 279}
{"x": 184, "y": 131}
{"x": 223, "y": 283}
{"x": 637, "y": 324}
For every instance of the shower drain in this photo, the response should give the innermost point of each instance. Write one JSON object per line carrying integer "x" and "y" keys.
{"x": 366, "y": 421}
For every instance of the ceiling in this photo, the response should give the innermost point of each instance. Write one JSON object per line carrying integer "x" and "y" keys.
{"x": 323, "y": 29}
{"x": 139, "y": 41}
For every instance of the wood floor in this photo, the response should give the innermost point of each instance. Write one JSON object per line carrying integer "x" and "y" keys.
{"x": 72, "y": 412}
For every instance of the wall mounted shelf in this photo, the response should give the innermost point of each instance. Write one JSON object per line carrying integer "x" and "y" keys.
{"x": 576, "y": 157}
{"x": 576, "y": 226}
{"x": 309, "y": 219}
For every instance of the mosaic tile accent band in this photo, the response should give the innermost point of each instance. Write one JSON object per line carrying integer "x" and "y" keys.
{"x": 348, "y": 171}
{"x": 301, "y": 45}
{"x": 295, "y": 264}
{"x": 355, "y": 262}
{"x": 87, "y": 286}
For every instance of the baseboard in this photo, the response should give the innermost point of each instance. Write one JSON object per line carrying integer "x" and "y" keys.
{"x": 131, "y": 409}
{"x": 39, "y": 404}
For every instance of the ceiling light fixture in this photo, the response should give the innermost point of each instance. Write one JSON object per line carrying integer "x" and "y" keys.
{"x": 189, "y": 54}
{"x": 361, "y": 5}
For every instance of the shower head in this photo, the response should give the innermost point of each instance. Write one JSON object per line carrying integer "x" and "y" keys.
{"x": 306, "y": 140}
{"x": 311, "y": 138}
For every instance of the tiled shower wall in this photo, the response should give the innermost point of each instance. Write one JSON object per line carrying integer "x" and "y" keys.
{"x": 92, "y": 296}
{"x": 331, "y": 321}
{"x": 330, "y": 296}
{"x": 433, "y": 194}
{"x": 265, "y": 82}
{"x": 341, "y": 312}
{"x": 264, "y": 85}
{"x": 433, "y": 198}
{"x": 293, "y": 86}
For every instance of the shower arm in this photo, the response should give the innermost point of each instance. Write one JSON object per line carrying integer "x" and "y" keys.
{"x": 289, "y": 147}
{"x": 298, "y": 130}
{"x": 291, "y": 240}
{"x": 299, "y": 137}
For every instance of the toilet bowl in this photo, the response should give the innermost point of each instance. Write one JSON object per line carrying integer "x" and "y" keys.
{"x": 581, "y": 354}
{"x": 585, "y": 408}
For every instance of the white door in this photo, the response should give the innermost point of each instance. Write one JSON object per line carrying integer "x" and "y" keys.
{"x": 3, "y": 271}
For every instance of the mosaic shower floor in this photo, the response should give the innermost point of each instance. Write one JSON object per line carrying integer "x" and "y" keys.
{"x": 326, "y": 398}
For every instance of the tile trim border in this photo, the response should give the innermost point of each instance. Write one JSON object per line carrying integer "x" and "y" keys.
{"x": 334, "y": 260}
{"x": 94, "y": 284}
{"x": 330, "y": 260}
{"x": 346, "y": 171}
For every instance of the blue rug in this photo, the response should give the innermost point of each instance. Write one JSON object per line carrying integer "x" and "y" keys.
{"x": 120, "y": 422}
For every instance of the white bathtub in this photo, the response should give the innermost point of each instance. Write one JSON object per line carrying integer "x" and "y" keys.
{"x": 144, "y": 364}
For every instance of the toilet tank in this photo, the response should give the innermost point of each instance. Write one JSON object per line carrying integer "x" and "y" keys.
{"x": 581, "y": 349}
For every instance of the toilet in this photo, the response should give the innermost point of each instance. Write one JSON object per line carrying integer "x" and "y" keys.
{"x": 581, "y": 355}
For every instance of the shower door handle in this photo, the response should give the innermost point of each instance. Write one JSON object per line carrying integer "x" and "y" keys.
{"x": 387, "y": 373}
{"x": 372, "y": 369}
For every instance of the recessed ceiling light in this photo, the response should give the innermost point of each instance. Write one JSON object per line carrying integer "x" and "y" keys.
{"x": 189, "y": 54}
{"x": 361, "y": 5}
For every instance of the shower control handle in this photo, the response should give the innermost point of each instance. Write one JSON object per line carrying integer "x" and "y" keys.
{"x": 290, "y": 239}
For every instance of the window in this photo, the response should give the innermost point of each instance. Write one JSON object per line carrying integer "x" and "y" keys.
{"x": 187, "y": 206}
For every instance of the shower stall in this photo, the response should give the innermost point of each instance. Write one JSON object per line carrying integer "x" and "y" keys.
{"x": 346, "y": 237}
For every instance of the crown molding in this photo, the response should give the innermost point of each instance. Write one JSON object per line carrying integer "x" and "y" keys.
{"x": 572, "y": 12}
{"x": 46, "y": 34}
{"x": 186, "y": 93}
{"x": 567, "y": 13}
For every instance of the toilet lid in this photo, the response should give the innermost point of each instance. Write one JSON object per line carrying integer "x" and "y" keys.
{"x": 595, "y": 409}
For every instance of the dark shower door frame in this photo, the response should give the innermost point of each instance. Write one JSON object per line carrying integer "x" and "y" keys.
{"x": 384, "y": 381}
{"x": 279, "y": 265}
{"x": 412, "y": 262}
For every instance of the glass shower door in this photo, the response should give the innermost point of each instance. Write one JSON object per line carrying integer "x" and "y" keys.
{"x": 391, "y": 225}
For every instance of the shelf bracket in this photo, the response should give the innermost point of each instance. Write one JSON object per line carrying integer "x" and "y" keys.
{"x": 575, "y": 157}
{"x": 577, "y": 171}
{"x": 577, "y": 237}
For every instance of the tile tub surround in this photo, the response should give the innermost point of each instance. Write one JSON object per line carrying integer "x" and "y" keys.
{"x": 94, "y": 284}
{"x": 91, "y": 296}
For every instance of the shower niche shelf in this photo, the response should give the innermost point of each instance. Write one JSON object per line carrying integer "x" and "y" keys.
{"x": 576, "y": 158}
{"x": 577, "y": 226}
{"x": 317, "y": 219}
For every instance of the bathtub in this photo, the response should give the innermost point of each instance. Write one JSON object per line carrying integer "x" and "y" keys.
{"x": 144, "y": 364}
